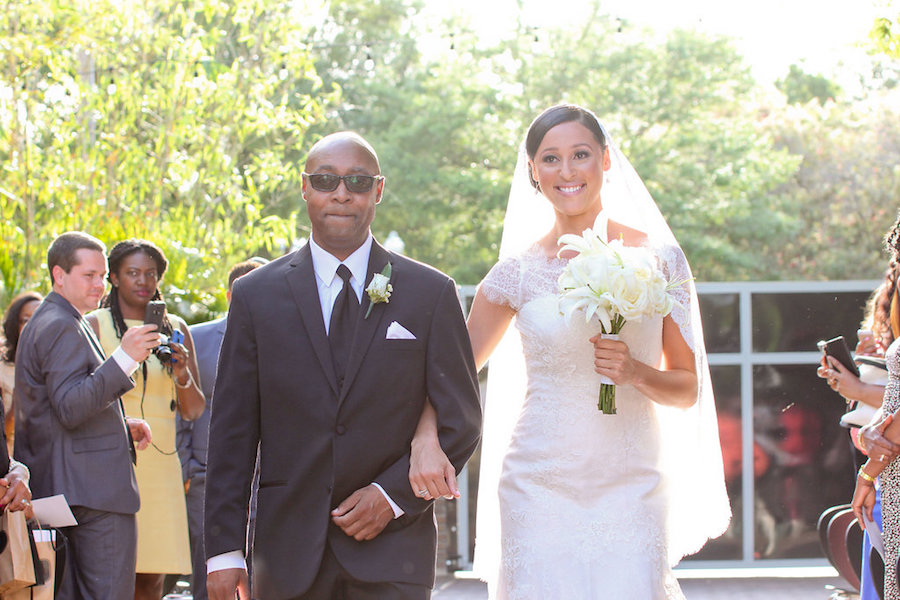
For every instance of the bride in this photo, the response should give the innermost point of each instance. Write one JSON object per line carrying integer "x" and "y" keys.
{"x": 574, "y": 503}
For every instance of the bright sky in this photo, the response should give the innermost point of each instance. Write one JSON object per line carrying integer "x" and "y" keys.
{"x": 771, "y": 34}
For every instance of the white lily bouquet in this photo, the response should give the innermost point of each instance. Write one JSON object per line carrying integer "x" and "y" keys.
{"x": 616, "y": 284}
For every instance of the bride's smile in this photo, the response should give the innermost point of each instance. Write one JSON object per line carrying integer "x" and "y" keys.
{"x": 568, "y": 167}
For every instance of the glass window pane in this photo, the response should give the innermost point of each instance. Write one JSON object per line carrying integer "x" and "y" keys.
{"x": 721, "y": 322}
{"x": 795, "y": 322}
{"x": 802, "y": 459}
{"x": 726, "y": 382}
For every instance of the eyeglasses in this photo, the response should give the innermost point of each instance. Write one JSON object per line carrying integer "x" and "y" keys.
{"x": 358, "y": 184}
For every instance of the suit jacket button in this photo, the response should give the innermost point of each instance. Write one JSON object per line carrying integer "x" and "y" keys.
{"x": 340, "y": 429}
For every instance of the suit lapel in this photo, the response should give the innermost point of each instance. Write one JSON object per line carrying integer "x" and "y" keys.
{"x": 301, "y": 279}
{"x": 89, "y": 334}
{"x": 95, "y": 345}
{"x": 61, "y": 302}
{"x": 365, "y": 328}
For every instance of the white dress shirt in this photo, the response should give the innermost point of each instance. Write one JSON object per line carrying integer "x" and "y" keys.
{"x": 329, "y": 285}
{"x": 327, "y": 280}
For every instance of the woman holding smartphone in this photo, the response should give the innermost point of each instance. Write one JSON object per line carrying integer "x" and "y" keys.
{"x": 165, "y": 382}
{"x": 879, "y": 328}
{"x": 874, "y": 337}
{"x": 881, "y": 437}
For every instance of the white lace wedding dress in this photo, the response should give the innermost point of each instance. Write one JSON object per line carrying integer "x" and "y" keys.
{"x": 582, "y": 501}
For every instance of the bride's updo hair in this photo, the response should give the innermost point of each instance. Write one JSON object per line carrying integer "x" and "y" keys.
{"x": 556, "y": 115}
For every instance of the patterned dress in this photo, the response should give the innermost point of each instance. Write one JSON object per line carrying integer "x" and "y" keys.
{"x": 890, "y": 480}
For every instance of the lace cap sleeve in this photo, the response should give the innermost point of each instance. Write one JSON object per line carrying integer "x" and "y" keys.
{"x": 675, "y": 267}
{"x": 503, "y": 283}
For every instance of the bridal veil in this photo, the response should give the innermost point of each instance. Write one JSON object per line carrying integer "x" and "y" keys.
{"x": 691, "y": 458}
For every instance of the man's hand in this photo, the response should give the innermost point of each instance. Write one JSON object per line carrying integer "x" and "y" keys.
{"x": 364, "y": 514}
{"x": 138, "y": 342}
{"x": 221, "y": 585}
{"x": 140, "y": 431}
{"x": 875, "y": 444}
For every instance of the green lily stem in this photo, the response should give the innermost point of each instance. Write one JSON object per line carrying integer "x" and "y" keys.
{"x": 607, "y": 402}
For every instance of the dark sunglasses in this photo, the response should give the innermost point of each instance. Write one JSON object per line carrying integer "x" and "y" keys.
{"x": 358, "y": 184}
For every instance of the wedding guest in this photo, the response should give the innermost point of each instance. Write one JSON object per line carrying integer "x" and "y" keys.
{"x": 17, "y": 315}
{"x": 634, "y": 491}
{"x": 193, "y": 436}
{"x": 71, "y": 429}
{"x": 877, "y": 331}
{"x": 879, "y": 327}
{"x": 15, "y": 495}
{"x": 166, "y": 382}
{"x": 880, "y": 441}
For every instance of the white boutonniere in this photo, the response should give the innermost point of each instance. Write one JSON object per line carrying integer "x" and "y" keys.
{"x": 380, "y": 288}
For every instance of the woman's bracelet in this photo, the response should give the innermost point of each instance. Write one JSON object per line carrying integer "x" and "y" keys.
{"x": 866, "y": 476}
{"x": 187, "y": 384}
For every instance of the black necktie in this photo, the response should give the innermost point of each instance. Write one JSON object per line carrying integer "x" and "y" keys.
{"x": 343, "y": 324}
{"x": 96, "y": 344}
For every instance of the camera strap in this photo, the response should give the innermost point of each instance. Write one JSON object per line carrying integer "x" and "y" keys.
{"x": 144, "y": 395}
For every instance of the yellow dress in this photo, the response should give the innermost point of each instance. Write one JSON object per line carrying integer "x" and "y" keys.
{"x": 163, "y": 545}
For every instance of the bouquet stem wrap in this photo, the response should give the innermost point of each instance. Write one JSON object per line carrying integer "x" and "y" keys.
{"x": 607, "y": 401}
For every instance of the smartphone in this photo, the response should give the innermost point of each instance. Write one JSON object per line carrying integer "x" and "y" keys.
{"x": 155, "y": 312}
{"x": 837, "y": 347}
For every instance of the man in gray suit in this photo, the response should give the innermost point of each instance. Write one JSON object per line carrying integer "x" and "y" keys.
{"x": 193, "y": 436}
{"x": 70, "y": 426}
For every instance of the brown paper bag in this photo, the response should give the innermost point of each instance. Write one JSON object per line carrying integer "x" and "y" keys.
{"x": 16, "y": 559}
{"x": 45, "y": 544}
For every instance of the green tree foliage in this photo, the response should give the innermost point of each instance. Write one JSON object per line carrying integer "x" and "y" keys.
{"x": 448, "y": 125}
{"x": 180, "y": 121}
{"x": 885, "y": 32}
{"x": 444, "y": 152}
{"x": 846, "y": 189}
{"x": 679, "y": 111}
{"x": 187, "y": 122}
{"x": 800, "y": 87}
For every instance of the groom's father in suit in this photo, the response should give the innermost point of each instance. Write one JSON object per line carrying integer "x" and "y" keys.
{"x": 330, "y": 380}
{"x": 70, "y": 427}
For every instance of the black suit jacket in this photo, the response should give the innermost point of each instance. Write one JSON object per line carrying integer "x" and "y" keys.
{"x": 319, "y": 442}
{"x": 69, "y": 426}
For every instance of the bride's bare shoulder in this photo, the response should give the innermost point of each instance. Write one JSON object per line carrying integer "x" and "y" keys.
{"x": 628, "y": 235}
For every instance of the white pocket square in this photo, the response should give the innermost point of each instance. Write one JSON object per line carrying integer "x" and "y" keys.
{"x": 396, "y": 331}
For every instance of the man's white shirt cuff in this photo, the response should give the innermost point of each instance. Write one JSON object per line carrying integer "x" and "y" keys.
{"x": 125, "y": 362}
{"x": 229, "y": 560}
{"x": 398, "y": 512}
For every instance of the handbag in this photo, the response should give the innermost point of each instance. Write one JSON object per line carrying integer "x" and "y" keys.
{"x": 50, "y": 549}
{"x": 17, "y": 558}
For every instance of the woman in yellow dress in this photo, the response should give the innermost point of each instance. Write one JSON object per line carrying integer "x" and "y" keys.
{"x": 163, "y": 384}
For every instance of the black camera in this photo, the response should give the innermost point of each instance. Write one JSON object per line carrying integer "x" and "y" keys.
{"x": 155, "y": 314}
{"x": 164, "y": 351}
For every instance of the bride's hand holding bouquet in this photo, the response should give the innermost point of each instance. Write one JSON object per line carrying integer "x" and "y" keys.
{"x": 616, "y": 284}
